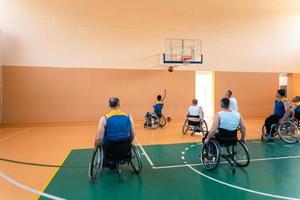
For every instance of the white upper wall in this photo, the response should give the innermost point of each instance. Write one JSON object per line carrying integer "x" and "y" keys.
{"x": 237, "y": 35}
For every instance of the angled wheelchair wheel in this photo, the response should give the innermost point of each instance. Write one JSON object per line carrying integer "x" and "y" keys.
{"x": 162, "y": 121}
{"x": 185, "y": 127}
{"x": 240, "y": 154}
{"x": 96, "y": 164}
{"x": 152, "y": 122}
{"x": 136, "y": 161}
{"x": 204, "y": 128}
{"x": 210, "y": 155}
{"x": 288, "y": 132}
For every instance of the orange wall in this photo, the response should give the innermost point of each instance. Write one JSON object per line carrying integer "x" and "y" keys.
{"x": 254, "y": 91}
{"x": 238, "y": 35}
{"x": 35, "y": 94}
{"x": 295, "y": 84}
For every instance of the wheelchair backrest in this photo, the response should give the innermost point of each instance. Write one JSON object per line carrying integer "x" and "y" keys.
{"x": 226, "y": 137}
{"x": 117, "y": 150}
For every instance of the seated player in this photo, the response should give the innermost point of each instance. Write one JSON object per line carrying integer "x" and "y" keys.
{"x": 281, "y": 111}
{"x": 296, "y": 108}
{"x": 226, "y": 123}
{"x": 116, "y": 125}
{"x": 233, "y": 102}
{"x": 159, "y": 104}
{"x": 195, "y": 113}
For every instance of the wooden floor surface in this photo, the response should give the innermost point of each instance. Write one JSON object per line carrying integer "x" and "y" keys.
{"x": 50, "y": 144}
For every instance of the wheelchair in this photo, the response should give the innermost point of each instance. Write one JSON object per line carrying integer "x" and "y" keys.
{"x": 297, "y": 122}
{"x": 154, "y": 120}
{"x": 288, "y": 132}
{"x": 112, "y": 155}
{"x": 194, "y": 124}
{"x": 237, "y": 153}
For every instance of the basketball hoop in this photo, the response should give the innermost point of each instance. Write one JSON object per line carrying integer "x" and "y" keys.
{"x": 186, "y": 59}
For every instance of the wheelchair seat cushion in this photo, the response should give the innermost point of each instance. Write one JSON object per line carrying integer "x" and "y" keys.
{"x": 226, "y": 137}
{"x": 117, "y": 151}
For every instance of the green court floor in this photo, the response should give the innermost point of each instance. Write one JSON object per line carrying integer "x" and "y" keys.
{"x": 273, "y": 173}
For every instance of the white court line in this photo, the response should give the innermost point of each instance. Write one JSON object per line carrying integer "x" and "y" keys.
{"x": 240, "y": 188}
{"x": 17, "y": 133}
{"x": 25, "y": 187}
{"x": 256, "y": 142}
{"x": 144, "y": 152}
{"x": 252, "y": 160}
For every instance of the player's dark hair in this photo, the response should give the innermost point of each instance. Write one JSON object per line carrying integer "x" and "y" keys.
{"x": 114, "y": 102}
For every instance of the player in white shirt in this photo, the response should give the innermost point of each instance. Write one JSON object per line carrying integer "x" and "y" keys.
{"x": 195, "y": 112}
{"x": 233, "y": 102}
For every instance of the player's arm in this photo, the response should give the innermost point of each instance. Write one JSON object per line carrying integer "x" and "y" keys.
{"x": 243, "y": 128}
{"x": 201, "y": 113}
{"x": 213, "y": 129}
{"x": 132, "y": 128}
{"x": 188, "y": 113}
{"x": 287, "y": 107}
{"x": 100, "y": 131}
{"x": 165, "y": 94}
{"x": 293, "y": 111}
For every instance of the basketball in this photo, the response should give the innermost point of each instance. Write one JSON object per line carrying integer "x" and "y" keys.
{"x": 170, "y": 69}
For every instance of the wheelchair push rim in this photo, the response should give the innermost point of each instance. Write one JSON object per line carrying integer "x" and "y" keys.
{"x": 210, "y": 155}
{"x": 204, "y": 128}
{"x": 185, "y": 127}
{"x": 135, "y": 161}
{"x": 152, "y": 122}
{"x": 162, "y": 121}
{"x": 288, "y": 132}
{"x": 240, "y": 154}
{"x": 96, "y": 164}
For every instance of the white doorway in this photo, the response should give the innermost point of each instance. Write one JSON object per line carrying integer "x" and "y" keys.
{"x": 204, "y": 92}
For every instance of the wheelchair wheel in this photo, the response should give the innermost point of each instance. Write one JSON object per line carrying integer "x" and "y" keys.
{"x": 240, "y": 154}
{"x": 288, "y": 132}
{"x": 210, "y": 155}
{"x": 152, "y": 122}
{"x": 297, "y": 122}
{"x": 263, "y": 132}
{"x": 185, "y": 127}
{"x": 204, "y": 128}
{"x": 162, "y": 121}
{"x": 96, "y": 164}
{"x": 136, "y": 162}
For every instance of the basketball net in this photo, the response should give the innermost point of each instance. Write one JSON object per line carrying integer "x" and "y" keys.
{"x": 186, "y": 59}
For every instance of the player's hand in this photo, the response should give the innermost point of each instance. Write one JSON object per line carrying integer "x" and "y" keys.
{"x": 206, "y": 140}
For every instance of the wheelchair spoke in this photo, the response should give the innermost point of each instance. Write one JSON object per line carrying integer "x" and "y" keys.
{"x": 210, "y": 155}
{"x": 96, "y": 164}
{"x": 288, "y": 132}
{"x": 135, "y": 161}
{"x": 240, "y": 154}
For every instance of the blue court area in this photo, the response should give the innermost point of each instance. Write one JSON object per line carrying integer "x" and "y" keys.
{"x": 175, "y": 172}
